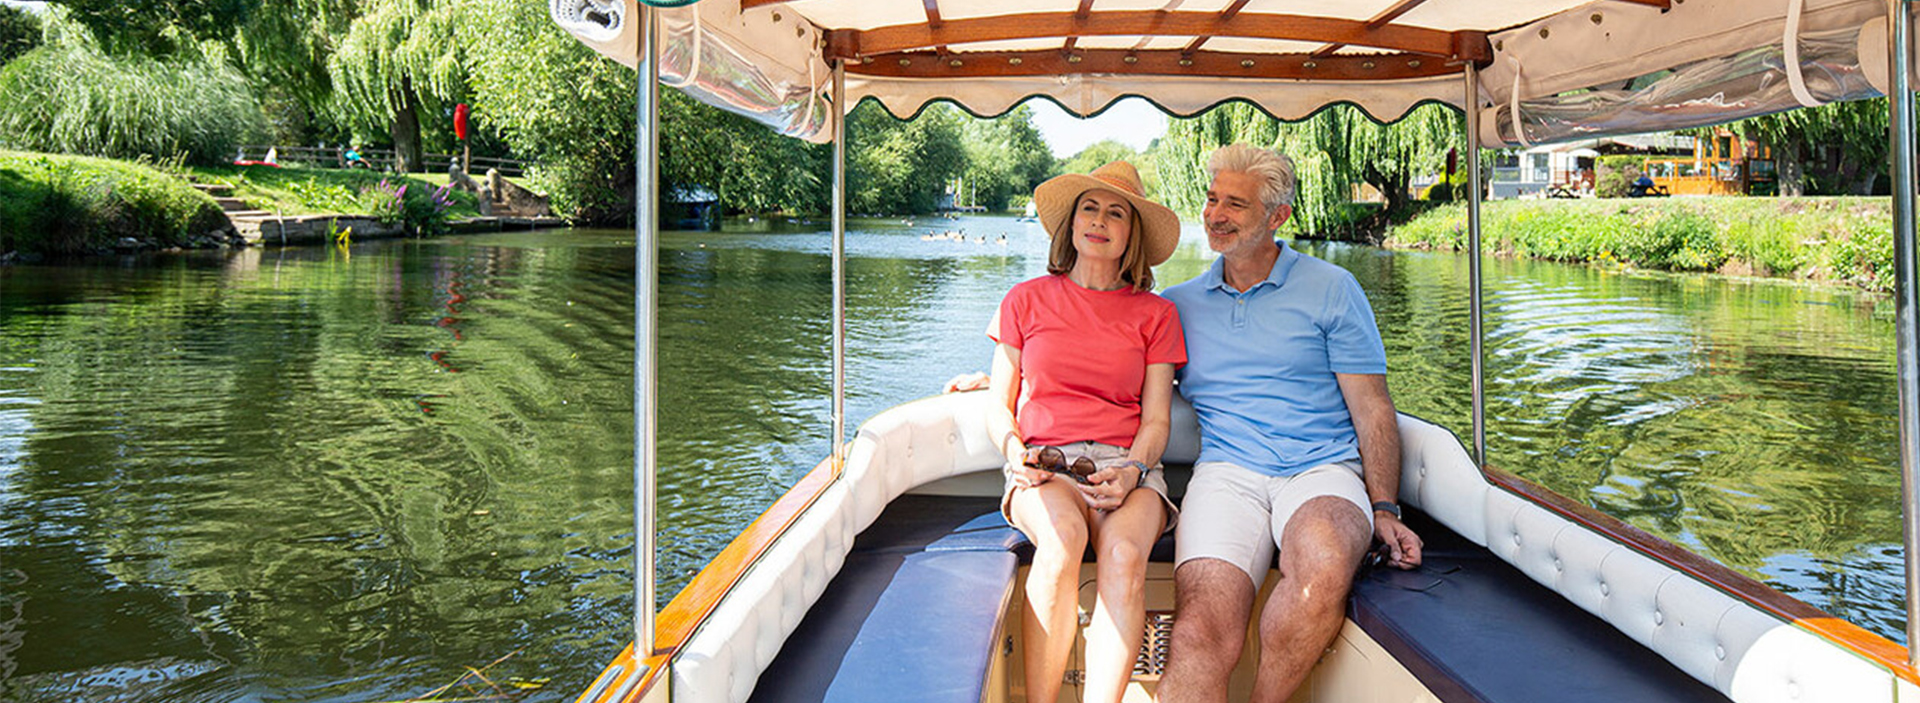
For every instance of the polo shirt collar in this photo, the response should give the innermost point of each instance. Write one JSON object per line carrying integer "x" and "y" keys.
{"x": 1216, "y": 276}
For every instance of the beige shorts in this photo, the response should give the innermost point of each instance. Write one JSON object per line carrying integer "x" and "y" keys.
{"x": 1103, "y": 456}
{"x": 1237, "y": 515}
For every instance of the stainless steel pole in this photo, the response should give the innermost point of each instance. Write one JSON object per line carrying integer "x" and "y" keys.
{"x": 838, "y": 119}
{"x": 646, "y": 301}
{"x": 1473, "y": 264}
{"x": 1907, "y": 353}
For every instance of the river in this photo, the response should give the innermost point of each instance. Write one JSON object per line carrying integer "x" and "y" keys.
{"x": 316, "y": 474}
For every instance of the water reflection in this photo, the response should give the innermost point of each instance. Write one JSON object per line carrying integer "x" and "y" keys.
{"x": 293, "y": 474}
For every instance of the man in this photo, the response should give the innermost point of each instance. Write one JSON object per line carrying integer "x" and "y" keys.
{"x": 1300, "y": 444}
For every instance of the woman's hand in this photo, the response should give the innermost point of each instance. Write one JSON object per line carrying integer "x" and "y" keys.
{"x": 1107, "y": 488}
{"x": 1023, "y": 472}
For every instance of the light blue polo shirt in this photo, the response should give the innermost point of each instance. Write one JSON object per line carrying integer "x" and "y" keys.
{"x": 1261, "y": 364}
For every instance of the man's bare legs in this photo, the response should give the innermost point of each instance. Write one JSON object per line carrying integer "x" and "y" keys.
{"x": 1122, "y": 542}
{"x": 1322, "y": 546}
{"x": 1213, "y": 599}
{"x": 1320, "y": 550}
{"x": 1054, "y": 518}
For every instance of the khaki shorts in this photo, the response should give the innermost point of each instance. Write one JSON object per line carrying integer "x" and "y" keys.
{"x": 1237, "y": 515}
{"x": 1103, "y": 456}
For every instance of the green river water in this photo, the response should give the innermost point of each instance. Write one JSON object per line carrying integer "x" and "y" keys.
{"x": 294, "y": 475}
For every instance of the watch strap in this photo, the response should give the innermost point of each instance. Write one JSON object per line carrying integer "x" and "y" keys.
{"x": 1388, "y": 507}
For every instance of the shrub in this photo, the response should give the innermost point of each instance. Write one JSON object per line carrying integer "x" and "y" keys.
{"x": 61, "y": 204}
{"x": 422, "y": 211}
{"x": 69, "y": 97}
{"x": 1863, "y": 256}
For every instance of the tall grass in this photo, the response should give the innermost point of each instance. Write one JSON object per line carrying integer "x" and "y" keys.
{"x": 69, "y": 97}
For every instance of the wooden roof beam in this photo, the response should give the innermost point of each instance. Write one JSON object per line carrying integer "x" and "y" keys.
{"x": 916, "y": 37}
{"x": 1158, "y": 62}
{"x": 1383, "y": 19}
{"x": 1225, "y": 14}
{"x": 1080, "y": 14}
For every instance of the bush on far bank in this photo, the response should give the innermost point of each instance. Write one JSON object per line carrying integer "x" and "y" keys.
{"x": 1847, "y": 240}
{"x": 54, "y": 204}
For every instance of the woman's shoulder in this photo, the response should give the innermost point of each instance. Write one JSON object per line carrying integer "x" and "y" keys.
{"x": 1041, "y": 284}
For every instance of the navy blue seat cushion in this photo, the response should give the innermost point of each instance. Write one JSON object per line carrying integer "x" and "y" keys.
{"x": 1476, "y": 630}
{"x": 912, "y": 614}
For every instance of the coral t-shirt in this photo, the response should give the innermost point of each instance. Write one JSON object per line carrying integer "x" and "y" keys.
{"x": 1084, "y": 356}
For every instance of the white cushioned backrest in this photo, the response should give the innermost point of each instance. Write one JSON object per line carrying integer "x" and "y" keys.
{"x": 1438, "y": 477}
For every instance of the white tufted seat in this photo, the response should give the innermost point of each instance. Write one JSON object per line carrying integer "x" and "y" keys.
{"x": 1748, "y": 654}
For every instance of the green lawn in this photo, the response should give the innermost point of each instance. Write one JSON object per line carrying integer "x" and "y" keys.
{"x": 55, "y": 204}
{"x": 297, "y": 190}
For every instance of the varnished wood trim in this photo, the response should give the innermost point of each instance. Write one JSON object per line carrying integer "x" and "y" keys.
{"x": 1663, "y": 5}
{"x": 1046, "y": 25}
{"x": 1152, "y": 63}
{"x": 751, "y": 4}
{"x": 1868, "y": 645}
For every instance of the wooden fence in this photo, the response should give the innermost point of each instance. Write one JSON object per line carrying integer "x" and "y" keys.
{"x": 380, "y": 159}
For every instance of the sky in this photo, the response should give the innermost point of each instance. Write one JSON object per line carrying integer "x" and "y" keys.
{"x": 1133, "y": 122}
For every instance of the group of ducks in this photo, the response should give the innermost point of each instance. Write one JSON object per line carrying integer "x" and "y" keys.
{"x": 956, "y": 235}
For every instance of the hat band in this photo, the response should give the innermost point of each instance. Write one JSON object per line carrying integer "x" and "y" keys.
{"x": 1125, "y": 187}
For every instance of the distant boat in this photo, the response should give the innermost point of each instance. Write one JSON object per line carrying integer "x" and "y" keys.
{"x": 1032, "y": 215}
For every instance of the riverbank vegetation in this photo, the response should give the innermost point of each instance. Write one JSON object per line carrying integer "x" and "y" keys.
{"x": 51, "y": 204}
{"x": 1841, "y": 240}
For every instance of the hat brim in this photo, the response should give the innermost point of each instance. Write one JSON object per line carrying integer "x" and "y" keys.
{"x": 1054, "y": 201}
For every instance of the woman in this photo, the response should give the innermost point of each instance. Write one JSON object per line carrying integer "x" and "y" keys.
{"x": 1083, "y": 372}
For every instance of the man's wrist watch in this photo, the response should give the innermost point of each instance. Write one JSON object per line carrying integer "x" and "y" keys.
{"x": 1388, "y": 507}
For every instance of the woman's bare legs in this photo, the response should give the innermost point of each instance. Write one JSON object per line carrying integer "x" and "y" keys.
{"x": 1054, "y": 518}
{"x": 1122, "y": 542}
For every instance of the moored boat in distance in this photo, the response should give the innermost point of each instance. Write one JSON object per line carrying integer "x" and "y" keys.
{"x": 887, "y": 573}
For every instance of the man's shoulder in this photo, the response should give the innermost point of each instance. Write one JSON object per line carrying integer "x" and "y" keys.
{"x": 1187, "y": 291}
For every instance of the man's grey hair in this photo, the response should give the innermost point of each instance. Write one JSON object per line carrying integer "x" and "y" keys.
{"x": 1272, "y": 168}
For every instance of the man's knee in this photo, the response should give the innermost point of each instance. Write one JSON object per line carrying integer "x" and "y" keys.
{"x": 1214, "y": 600}
{"x": 1327, "y": 530}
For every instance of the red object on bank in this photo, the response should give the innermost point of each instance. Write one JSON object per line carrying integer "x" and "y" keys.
{"x": 460, "y": 113}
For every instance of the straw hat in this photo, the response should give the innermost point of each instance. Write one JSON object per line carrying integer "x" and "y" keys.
{"x": 1053, "y": 201}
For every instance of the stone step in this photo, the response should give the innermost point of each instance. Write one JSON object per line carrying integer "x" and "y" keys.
{"x": 248, "y": 214}
{"x": 214, "y": 189}
{"x": 232, "y": 204}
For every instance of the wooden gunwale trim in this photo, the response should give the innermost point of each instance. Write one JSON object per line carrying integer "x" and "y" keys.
{"x": 1872, "y": 647}
{"x": 1662, "y": 5}
{"x": 1165, "y": 62}
{"x": 1048, "y": 25}
{"x": 697, "y": 601}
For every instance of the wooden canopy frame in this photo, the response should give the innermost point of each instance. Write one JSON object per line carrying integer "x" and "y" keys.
{"x": 923, "y": 50}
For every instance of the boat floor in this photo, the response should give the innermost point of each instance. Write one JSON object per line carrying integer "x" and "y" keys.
{"x": 917, "y": 608}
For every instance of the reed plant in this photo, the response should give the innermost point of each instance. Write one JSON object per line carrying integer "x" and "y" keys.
{"x": 70, "y": 97}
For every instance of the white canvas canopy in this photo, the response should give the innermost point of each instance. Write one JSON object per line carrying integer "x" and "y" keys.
{"x": 1570, "y": 68}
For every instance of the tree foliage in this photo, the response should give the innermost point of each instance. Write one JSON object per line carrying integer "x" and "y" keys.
{"x": 1833, "y": 149}
{"x": 1006, "y": 158}
{"x": 902, "y": 167}
{"x": 19, "y": 32}
{"x": 159, "y": 27}
{"x": 1333, "y": 151}
{"x": 400, "y": 60}
{"x": 71, "y": 97}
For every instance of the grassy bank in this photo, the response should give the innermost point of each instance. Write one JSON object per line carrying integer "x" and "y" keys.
{"x": 1841, "y": 240}
{"x": 296, "y": 190}
{"x": 52, "y": 204}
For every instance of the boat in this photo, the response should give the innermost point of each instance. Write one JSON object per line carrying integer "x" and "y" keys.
{"x": 886, "y": 572}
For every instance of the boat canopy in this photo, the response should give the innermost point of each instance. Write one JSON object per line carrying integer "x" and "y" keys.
{"x": 1570, "y": 69}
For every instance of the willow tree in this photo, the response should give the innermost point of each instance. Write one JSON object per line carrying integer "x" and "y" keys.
{"x": 1840, "y": 147}
{"x": 286, "y": 47}
{"x": 399, "y": 59}
{"x": 1334, "y": 150}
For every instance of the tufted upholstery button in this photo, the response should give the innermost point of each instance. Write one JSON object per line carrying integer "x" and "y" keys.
{"x": 1720, "y": 652}
{"x": 1423, "y": 471}
{"x": 1604, "y": 590}
{"x": 1557, "y": 566}
{"x": 953, "y": 437}
{"x": 1516, "y": 538}
{"x": 1659, "y": 617}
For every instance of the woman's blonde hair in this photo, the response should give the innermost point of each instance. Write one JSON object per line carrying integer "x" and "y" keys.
{"x": 1134, "y": 269}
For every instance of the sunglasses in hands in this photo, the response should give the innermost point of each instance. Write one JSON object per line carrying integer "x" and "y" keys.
{"x": 1052, "y": 460}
